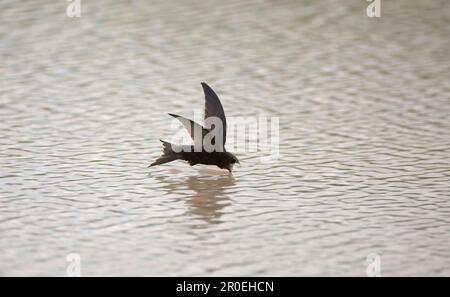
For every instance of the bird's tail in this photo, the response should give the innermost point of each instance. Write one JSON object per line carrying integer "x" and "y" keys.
{"x": 168, "y": 154}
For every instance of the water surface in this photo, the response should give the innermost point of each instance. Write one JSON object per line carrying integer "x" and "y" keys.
{"x": 364, "y": 161}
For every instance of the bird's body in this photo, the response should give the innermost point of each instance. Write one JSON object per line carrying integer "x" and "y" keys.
{"x": 220, "y": 159}
{"x": 190, "y": 153}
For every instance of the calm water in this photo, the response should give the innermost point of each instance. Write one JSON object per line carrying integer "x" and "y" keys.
{"x": 364, "y": 162}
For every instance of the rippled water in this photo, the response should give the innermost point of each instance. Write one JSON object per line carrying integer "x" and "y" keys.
{"x": 364, "y": 161}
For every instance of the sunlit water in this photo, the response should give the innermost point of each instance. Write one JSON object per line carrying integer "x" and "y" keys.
{"x": 364, "y": 164}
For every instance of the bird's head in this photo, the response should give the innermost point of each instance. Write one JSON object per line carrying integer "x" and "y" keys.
{"x": 230, "y": 160}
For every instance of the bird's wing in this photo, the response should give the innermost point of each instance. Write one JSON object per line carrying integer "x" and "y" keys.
{"x": 196, "y": 131}
{"x": 213, "y": 108}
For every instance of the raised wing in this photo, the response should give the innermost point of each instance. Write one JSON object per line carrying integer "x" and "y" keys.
{"x": 213, "y": 108}
{"x": 196, "y": 131}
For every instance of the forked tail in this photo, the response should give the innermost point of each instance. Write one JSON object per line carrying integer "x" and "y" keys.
{"x": 168, "y": 154}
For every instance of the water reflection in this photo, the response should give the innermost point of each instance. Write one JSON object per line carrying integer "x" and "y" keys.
{"x": 206, "y": 194}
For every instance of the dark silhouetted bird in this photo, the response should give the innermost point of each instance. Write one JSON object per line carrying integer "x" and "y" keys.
{"x": 200, "y": 152}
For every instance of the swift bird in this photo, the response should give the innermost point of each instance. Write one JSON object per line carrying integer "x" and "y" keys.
{"x": 199, "y": 153}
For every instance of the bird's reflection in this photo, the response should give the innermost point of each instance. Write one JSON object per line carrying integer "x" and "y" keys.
{"x": 208, "y": 198}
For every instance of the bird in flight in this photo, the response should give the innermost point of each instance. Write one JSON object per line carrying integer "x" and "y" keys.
{"x": 209, "y": 143}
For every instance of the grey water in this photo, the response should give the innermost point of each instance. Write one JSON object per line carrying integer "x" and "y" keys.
{"x": 364, "y": 152}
